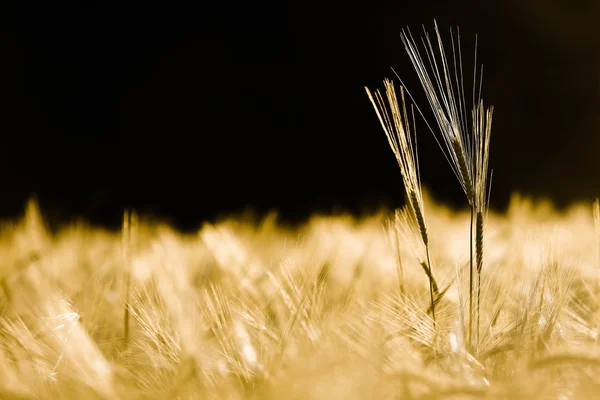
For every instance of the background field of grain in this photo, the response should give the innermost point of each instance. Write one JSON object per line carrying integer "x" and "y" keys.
{"x": 247, "y": 309}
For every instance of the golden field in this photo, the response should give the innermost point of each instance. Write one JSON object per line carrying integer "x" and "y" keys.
{"x": 334, "y": 309}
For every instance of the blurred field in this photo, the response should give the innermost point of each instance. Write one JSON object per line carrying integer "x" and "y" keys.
{"x": 331, "y": 310}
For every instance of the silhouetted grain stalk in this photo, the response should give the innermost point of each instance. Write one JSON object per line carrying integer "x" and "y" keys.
{"x": 465, "y": 146}
{"x": 464, "y": 176}
{"x": 482, "y": 127}
{"x": 129, "y": 237}
{"x": 397, "y": 130}
{"x": 417, "y": 210}
{"x": 399, "y": 266}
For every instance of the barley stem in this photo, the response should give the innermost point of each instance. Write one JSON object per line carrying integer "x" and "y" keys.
{"x": 129, "y": 236}
{"x": 431, "y": 289}
{"x": 126, "y": 311}
{"x": 479, "y": 261}
{"x": 429, "y": 274}
{"x": 471, "y": 278}
{"x": 399, "y": 267}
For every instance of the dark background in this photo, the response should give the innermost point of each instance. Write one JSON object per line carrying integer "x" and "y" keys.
{"x": 195, "y": 112}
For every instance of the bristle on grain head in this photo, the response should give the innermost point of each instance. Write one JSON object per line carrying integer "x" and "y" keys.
{"x": 464, "y": 171}
{"x": 399, "y": 138}
{"x": 465, "y": 145}
{"x": 396, "y": 128}
{"x": 416, "y": 206}
{"x": 394, "y": 122}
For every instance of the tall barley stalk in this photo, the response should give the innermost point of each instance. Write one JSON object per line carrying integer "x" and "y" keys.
{"x": 482, "y": 127}
{"x": 129, "y": 238}
{"x": 397, "y": 131}
{"x": 465, "y": 146}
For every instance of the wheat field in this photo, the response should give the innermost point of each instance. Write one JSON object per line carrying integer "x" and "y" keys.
{"x": 336, "y": 308}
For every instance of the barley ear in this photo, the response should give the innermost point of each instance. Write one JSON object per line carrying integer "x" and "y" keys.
{"x": 418, "y": 213}
{"x": 397, "y": 131}
{"x": 463, "y": 168}
{"x": 479, "y": 241}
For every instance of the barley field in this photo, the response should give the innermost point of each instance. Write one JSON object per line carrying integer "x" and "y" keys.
{"x": 336, "y": 308}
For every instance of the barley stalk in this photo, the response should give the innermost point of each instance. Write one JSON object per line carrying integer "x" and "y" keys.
{"x": 435, "y": 287}
{"x": 129, "y": 237}
{"x": 471, "y": 275}
{"x": 397, "y": 131}
{"x": 478, "y": 262}
{"x": 466, "y": 150}
{"x": 399, "y": 267}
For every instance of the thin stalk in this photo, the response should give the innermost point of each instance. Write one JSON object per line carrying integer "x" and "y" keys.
{"x": 126, "y": 309}
{"x": 479, "y": 262}
{"x": 436, "y": 289}
{"x": 129, "y": 237}
{"x": 431, "y": 284}
{"x": 471, "y": 278}
{"x": 418, "y": 213}
{"x": 126, "y": 255}
{"x": 399, "y": 267}
{"x": 478, "y": 307}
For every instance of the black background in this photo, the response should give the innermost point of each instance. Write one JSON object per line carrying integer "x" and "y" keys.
{"x": 195, "y": 112}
